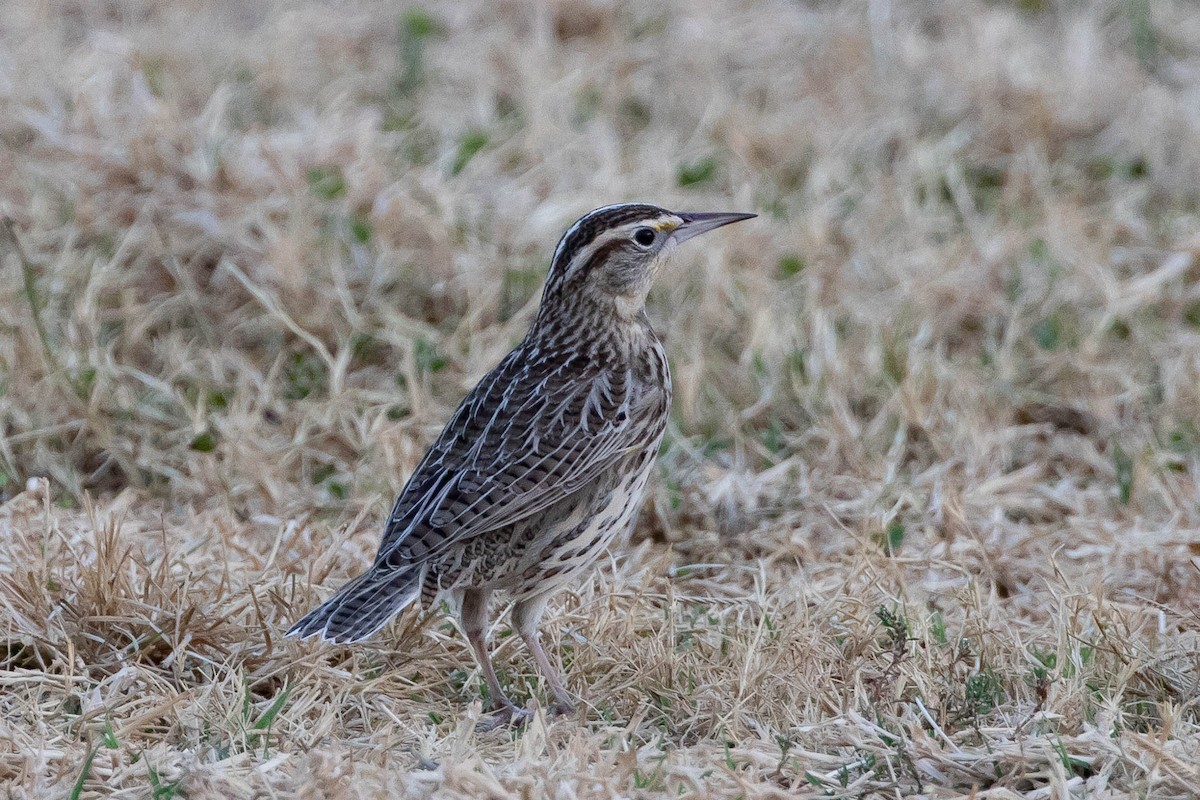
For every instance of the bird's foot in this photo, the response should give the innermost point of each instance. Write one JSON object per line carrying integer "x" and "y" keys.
{"x": 508, "y": 716}
{"x": 562, "y": 708}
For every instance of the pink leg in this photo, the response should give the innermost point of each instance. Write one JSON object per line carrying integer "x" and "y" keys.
{"x": 473, "y": 612}
{"x": 525, "y": 617}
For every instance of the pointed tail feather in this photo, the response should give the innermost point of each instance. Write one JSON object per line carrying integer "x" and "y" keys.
{"x": 360, "y": 608}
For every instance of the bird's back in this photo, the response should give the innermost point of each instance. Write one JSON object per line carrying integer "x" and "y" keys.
{"x": 541, "y": 430}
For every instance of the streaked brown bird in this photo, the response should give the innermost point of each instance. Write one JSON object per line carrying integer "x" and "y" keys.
{"x": 546, "y": 459}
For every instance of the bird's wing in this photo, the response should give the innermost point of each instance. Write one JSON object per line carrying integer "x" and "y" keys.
{"x": 530, "y": 434}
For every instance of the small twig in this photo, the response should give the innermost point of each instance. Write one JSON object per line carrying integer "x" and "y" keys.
{"x": 31, "y": 295}
{"x": 936, "y": 728}
{"x": 273, "y": 307}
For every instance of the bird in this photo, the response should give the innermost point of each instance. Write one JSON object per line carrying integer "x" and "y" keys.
{"x": 544, "y": 462}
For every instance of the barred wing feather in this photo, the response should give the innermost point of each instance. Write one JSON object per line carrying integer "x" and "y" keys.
{"x": 530, "y": 434}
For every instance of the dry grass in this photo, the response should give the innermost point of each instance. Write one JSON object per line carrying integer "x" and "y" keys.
{"x": 927, "y": 522}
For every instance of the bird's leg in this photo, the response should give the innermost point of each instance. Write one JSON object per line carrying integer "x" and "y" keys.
{"x": 473, "y": 612}
{"x": 525, "y": 616}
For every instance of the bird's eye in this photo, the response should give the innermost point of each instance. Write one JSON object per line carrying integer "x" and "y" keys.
{"x": 644, "y": 236}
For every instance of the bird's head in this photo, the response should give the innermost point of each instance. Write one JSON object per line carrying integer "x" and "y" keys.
{"x": 610, "y": 257}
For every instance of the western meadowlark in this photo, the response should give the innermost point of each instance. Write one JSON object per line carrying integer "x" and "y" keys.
{"x": 545, "y": 460}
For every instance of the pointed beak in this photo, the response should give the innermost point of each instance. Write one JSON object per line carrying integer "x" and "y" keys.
{"x": 696, "y": 223}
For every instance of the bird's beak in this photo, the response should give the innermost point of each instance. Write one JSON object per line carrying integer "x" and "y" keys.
{"x": 696, "y": 223}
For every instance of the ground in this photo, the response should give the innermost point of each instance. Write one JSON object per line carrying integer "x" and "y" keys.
{"x": 926, "y": 521}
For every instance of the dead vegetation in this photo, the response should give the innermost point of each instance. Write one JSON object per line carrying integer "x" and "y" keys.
{"x": 927, "y": 522}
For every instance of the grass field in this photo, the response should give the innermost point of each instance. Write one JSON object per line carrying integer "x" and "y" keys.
{"x": 927, "y": 517}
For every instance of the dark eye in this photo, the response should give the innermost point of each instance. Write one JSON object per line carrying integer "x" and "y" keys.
{"x": 644, "y": 236}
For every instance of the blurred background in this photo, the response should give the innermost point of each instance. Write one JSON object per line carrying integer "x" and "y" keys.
{"x": 254, "y": 253}
{"x": 266, "y": 248}
{"x": 263, "y": 250}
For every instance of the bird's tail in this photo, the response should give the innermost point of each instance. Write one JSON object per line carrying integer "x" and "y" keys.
{"x": 361, "y": 607}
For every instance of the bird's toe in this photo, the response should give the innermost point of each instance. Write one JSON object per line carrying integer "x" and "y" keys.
{"x": 509, "y": 716}
{"x": 562, "y": 708}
